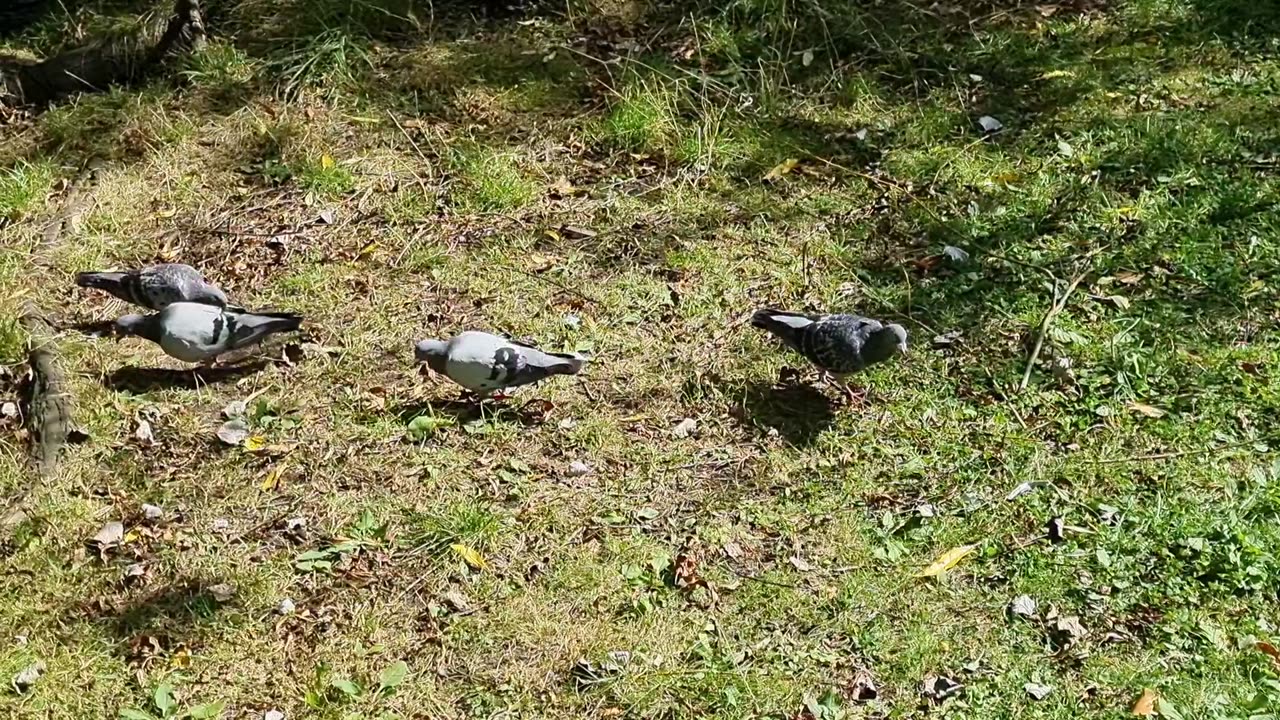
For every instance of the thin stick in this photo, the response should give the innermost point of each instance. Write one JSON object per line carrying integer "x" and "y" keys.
{"x": 1170, "y": 455}
{"x": 1057, "y": 307}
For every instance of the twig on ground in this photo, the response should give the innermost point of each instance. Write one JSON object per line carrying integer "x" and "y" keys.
{"x": 1059, "y": 304}
{"x": 1171, "y": 455}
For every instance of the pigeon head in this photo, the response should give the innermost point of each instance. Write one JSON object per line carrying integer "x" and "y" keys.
{"x": 884, "y": 343}
{"x": 142, "y": 326}
{"x": 434, "y": 353}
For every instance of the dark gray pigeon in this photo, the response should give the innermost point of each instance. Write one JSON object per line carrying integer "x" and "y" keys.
{"x": 157, "y": 286}
{"x": 483, "y": 363}
{"x": 837, "y": 344}
{"x": 193, "y": 332}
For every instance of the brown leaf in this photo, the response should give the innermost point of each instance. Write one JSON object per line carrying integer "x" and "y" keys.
{"x": 1146, "y": 705}
{"x": 574, "y": 232}
{"x": 1270, "y": 651}
{"x": 1129, "y": 277}
{"x": 1148, "y": 410}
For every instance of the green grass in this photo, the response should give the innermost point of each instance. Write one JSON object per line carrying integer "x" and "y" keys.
{"x": 762, "y": 565}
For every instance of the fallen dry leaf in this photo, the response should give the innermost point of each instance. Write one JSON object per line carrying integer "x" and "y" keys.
{"x": 272, "y": 480}
{"x": 1148, "y": 410}
{"x": 110, "y": 535}
{"x": 470, "y": 556}
{"x": 327, "y": 161}
{"x": 947, "y": 560}
{"x": 367, "y": 250}
{"x": 1270, "y": 651}
{"x": 1146, "y": 705}
{"x": 254, "y": 443}
{"x": 781, "y": 169}
{"x": 233, "y": 432}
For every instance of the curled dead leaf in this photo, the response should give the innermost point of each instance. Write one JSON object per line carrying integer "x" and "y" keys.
{"x": 1147, "y": 410}
{"x": 781, "y": 169}
{"x": 1146, "y": 705}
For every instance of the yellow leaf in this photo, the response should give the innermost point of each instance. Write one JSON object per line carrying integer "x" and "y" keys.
{"x": 947, "y": 560}
{"x": 469, "y": 555}
{"x": 1057, "y": 74}
{"x": 368, "y": 249}
{"x": 327, "y": 161}
{"x": 254, "y": 443}
{"x": 272, "y": 480}
{"x": 1146, "y": 705}
{"x": 1148, "y": 410}
{"x": 781, "y": 169}
{"x": 181, "y": 658}
{"x": 166, "y": 212}
{"x": 130, "y": 536}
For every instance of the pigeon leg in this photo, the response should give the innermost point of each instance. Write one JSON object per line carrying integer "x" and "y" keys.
{"x": 853, "y": 396}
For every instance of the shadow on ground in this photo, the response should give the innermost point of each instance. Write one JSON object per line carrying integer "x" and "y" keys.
{"x": 797, "y": 412}
{"x": 141, "y": 380}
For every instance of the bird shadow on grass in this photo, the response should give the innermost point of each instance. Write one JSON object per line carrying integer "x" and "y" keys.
{"x": 141, "y": 380}
{"x": 464, "y": 410}
{"x": 169, "y": 615}
{"x": 798, "y": 412}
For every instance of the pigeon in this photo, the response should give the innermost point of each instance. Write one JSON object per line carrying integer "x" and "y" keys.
{"x": 157, "y": 286}
{"x": 193, "y": 332}
{"x": 838, "y": 345}
{"x": 483, "y": 363}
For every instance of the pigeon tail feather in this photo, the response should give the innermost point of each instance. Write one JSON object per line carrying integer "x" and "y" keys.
{"x": 109, "y": 281}
{"x": 775, "y": 321}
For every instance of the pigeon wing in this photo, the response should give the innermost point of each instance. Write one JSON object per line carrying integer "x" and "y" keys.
{"x": 835, "y": 342}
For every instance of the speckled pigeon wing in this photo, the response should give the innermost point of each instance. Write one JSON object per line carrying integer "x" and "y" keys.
{"x": 835, "y": 342}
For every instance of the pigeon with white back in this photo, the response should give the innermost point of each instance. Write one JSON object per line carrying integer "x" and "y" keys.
{"x": 484, "y": 363}
{"x": 156, "y": 286}
{"x": 839, "y": 344}
{"x": 197, "y": 333}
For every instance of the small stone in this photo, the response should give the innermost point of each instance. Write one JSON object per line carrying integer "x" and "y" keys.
{"x": 975, "y": 77}
{"x": 273, "y": 715}
{"x": 28, "y": 677}
{"x": 578, "y": 468}
{"x": 286, "y": 607}
{"x": 567, "y": 424}
{"x": 685, "y": 428}
{"x": 1037, "y": 691}
{"x": 234, "y": 409}
{"x": 572, "y": 320}
{"x": 152, "y": 513}
{"x": 221, "y": 525}
{"x": 9, "y": 410}
{"x": 990, "y": 124}
{"x": 222, "y": 592}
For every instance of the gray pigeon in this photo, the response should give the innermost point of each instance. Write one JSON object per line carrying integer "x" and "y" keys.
{"x": 193, "y": 332}
{"x": 837, "y": 344}
{"x": 483, "y": 363}
{"x": 157, "y": 286}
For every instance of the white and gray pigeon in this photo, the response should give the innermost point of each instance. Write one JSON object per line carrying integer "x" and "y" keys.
{"x": 193, "y": 332}
{"x": 483, "y": 363}
{"x": 837, "y": 344}
{"x": 157, "y": 286}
